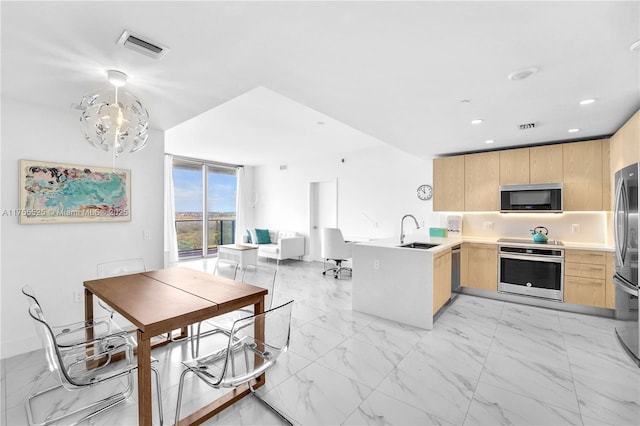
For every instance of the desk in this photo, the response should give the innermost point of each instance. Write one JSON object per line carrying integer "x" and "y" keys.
{"x": 244, "y": 255}
{"x": 158, "y": 302}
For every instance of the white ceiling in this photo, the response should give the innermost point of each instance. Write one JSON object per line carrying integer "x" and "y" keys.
{"x": 374, "y": 72}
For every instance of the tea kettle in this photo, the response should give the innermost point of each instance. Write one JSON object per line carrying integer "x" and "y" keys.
{"x": 539, "y": 234}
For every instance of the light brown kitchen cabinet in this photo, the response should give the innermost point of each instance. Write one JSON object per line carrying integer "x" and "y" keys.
{"x": 481, "y": 181}
{"x": 624, "y": 150}
{"x": 606, "y": 175}
{"x": 615, "y": 155}
{"x": 631, "y": 141}
{"x": 609, "y": 287}
{"x": 479, "y": 266}
{"x": 441, "y": 279}
{"x": 471, "y": 182}
{"x": 514, "y": 166}
{"x": 582, "y": 169}
{"x": 584, "y": 277}
{"x": 545, "y": 164}
{"x": 448, "y": 184}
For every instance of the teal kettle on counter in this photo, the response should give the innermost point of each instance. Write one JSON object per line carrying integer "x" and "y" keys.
{"x": 539, "y": 234}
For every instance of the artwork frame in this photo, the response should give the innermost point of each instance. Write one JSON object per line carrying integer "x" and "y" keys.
{"x": 67, "y": 193}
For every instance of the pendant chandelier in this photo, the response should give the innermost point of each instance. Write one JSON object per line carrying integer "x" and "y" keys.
{"x": 114, "y": 120}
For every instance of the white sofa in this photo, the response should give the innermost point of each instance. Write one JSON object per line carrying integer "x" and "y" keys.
{"x": 284, "y": 245}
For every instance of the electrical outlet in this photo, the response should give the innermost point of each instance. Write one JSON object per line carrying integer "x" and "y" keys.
{"x": 487, "y": 226}
{"x": 78, "y": 296}
{"x": 146, "y": 235}
{"x": 575, "y": 228}
{"x": 376, "y": 264}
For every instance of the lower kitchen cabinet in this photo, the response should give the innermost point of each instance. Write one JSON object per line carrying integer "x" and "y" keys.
{"x": 584, "y": 277}
{"x": 479, "y": 266}
{"x": 441, "y": 279}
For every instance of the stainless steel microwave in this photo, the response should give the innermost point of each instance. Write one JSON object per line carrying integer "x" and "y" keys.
{"x": 539, "y": 197}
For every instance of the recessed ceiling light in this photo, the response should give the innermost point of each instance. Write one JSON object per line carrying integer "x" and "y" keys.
{"x": 489, "y": 141}
{"x": 587, "y": 101}
{"x": 320, "y": 123}
{"x": 476, "y": 121}
{"x": 635, "y": 47}
{"x": 465, "y": 101}
{"x": 522, "y": 74}
{"x": 573, "y": 130}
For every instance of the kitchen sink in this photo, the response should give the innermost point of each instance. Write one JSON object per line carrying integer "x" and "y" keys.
{"x": 423, "y": 246}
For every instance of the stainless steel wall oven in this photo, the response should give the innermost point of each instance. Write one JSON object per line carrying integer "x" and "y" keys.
{"x": 531, "y": 271}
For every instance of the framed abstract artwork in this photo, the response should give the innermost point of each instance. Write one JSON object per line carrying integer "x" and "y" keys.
{"x": 66, "y": 193}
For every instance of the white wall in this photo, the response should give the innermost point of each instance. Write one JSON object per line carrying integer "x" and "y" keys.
{"x": 55, "y": 259}
{"x": 592, "y": 225}
{"x": 376, "y": 187}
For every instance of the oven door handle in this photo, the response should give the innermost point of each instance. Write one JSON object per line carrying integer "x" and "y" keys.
{"x": 623, "y": 285}
{"x": 533, "y": 258}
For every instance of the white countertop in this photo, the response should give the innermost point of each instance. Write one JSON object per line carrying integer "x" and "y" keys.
{"x": 445, "y": 243}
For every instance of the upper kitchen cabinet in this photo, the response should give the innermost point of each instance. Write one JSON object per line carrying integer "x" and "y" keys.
{"x": 607, "y": 204}
{"x": 481, "y": 181}
{"x": 582, "y": 169}
{"x": 514, "y": 166}
{"x": 545, "y": 164}
{"x": 631, "y": 141}
{"x": 448, "y": 184}
{"x": 625, "y": 144}
{"x": 540, "y": 164}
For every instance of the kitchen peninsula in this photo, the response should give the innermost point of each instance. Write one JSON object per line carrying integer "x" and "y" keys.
{"x": 410, "y": 285}
{"x": 400, "y": 283}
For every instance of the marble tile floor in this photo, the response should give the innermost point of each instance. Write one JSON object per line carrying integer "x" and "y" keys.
{"x": 486, "y": 362}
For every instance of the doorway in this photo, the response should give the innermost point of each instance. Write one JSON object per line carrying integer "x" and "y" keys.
{"x": 323, "y": 213}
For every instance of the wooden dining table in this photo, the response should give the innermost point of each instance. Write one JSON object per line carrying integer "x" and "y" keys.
{"x": 159, "y": 302}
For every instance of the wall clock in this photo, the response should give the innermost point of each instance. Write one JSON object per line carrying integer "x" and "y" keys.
{"x": 425, "y": 192}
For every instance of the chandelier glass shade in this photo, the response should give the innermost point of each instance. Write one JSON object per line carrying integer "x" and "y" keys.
{"x": 115, "y": 120}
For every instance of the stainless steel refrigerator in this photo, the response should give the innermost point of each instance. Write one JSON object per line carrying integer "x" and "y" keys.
{"x": 626, "y": 259}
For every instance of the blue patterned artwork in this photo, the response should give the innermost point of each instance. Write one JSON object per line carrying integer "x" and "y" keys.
{"x": 54, "y": 192}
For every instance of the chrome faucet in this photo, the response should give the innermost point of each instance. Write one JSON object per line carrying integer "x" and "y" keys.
{"x": 402, "y": 226}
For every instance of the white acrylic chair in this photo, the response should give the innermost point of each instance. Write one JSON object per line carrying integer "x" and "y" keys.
{"x": 257, "y": 275}
{"x": 117, "y": 268}
{"x": 69, "y": 335}
{"x": 226, "y": 268}
{"x": 80, "y": 366}
{"x": 245, "y": 356}
{"x": 333, "y": 247}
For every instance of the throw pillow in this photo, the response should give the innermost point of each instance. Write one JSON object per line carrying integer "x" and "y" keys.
{"x": 253, "y": 239}
{"x": 263, "y": 236}
{"x": 249, "y": 240}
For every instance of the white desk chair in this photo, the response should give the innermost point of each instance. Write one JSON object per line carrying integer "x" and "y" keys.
{"x": 334, "y": 247}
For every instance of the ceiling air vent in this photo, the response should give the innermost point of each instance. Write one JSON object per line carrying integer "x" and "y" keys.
{"x": 527, "y": 126}
{"x": 142, "y": 45}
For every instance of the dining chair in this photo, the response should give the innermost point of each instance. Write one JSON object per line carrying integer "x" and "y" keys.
{"x": 245, "y": 356}
{"x": 69, "y": 335}
{"x": 226, "y": 268}
{"x": 117, "y": 268}
{"x": 80, "y": 366}
{"x": 257, "y": 275}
